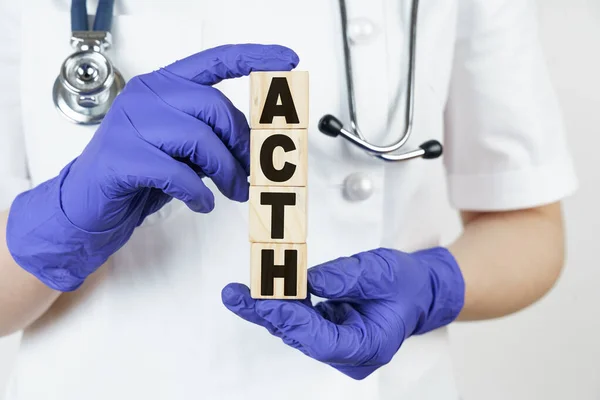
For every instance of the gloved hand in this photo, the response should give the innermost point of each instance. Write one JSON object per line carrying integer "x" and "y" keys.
{"x": 164, "y": 133}
{"x": 377, "y": 299}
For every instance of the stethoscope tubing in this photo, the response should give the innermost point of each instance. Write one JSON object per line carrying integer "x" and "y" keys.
{"x": 102, "y": 21}
{"x": 354, "y": 134}
{"x": 332, "y": 126}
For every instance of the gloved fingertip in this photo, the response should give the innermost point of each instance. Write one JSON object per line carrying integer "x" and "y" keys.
{"x": 283, "y": 52}
{"x": 294, "y": 58}
{"x": 233, "y": 294}
{"x": 244, "y": 193}
{"x": 246, "y": 164}
{"x": 332, "y": 281}
{"x": 357, "y": 373}
{"x": 359, "y": 376}
{"x": 277, "y": 58}
{"x": 238, "y": 188}
{"x": 240, "y": 192}
{"x": 236, "y": 298}
{"x": 204, "y": 206}
{"x": 315, "y": 280}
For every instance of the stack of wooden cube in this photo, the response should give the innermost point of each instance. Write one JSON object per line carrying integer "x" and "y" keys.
{"x": 278, "y": 184}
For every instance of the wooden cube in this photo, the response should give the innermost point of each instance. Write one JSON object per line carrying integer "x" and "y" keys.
{"x": 277, "y": 214}
{"x": 279, "y": 100}
{"x": 279, "y": 271}
{"x": 279, "y": 157}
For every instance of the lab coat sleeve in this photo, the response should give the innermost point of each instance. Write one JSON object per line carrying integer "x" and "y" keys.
{"x": 505, "y": 144}
{"x": 13, "y": 166}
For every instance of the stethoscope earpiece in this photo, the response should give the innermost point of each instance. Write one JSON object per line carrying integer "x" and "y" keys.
{"x": 432, "y": 149}
{"x": 330, "y": 125}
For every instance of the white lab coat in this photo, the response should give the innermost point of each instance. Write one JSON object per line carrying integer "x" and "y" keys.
{"x": 151, "y": 325}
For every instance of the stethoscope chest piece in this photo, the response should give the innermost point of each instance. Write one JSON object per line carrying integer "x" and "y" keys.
{"x": 87, "y": 83}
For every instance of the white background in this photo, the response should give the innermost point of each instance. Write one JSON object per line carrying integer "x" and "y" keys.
{"x": 549, "y": 351}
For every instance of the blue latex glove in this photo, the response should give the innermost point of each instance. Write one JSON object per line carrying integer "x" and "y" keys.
{"x": 377, "y": 299}
{"x": 165, "y": 132}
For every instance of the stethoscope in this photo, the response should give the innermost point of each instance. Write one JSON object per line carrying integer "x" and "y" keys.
{"x": 88, "y": 83}
{"x": 332, "y": 126}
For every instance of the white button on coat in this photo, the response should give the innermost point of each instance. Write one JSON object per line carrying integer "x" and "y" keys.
{"x": 361, "y": 30}
{"x": 358, "y": 187}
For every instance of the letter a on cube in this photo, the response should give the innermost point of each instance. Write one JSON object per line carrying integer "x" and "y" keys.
{"x": 279, "y": 100}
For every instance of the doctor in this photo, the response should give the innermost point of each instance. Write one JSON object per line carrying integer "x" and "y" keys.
{"x": 126, "y": 256}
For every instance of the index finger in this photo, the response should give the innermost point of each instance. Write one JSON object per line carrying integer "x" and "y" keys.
{"x": 211, "y": 66}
